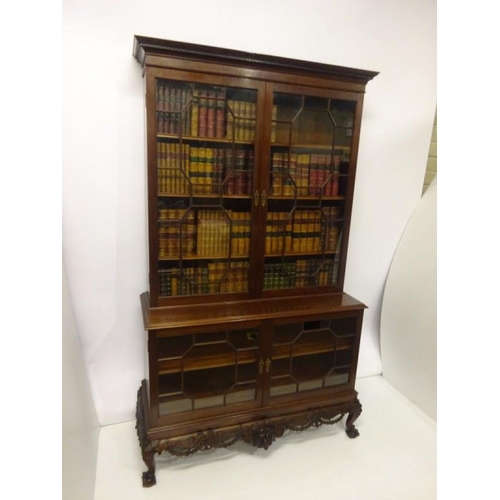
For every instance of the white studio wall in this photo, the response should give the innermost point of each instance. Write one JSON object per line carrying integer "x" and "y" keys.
{"x": 408, "y": 326}
{"x": 104, "y": 190}
{"x": 80, "y": 427}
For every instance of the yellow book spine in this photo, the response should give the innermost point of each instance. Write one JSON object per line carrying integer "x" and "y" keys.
{"x": 185, "y": 169}
{"x": 274, "y": 232}
{"x": 194, "y": 114}
{"x": 209, "y": 160}
{"x": 193, "y": 168}
{"x": 303, "y": 231}
{"x": 248, "y": 121}
{"x": 202, "y": 170}
{"x": 174, "y": 281}
{"x": 310, "y": 231}
{"x": 243, "y": 233}
{"x": 273, "y": 126}
{"x": 240, "y": 122}
{"x": 269, "y": 235}
{"x": 177, "y": 171}
{"x": 168, "y": 166}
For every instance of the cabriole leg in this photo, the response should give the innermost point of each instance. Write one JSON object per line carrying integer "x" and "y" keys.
{"x": 148, "y": 477}
{"x": 354, "y": 413}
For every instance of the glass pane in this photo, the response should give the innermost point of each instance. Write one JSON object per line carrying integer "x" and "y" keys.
{"x": 207, "y": 370}
{"x": 311, "y": 355}
{"x": 309, "y": 166}
{"x": 205, "y": 170}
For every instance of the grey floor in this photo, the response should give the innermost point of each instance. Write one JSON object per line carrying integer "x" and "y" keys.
{"x": 393, "y": 458}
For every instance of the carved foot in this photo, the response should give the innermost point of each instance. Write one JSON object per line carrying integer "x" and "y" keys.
{"x": 352, "y": 432}
{"x": 354, "y": 413}
{"x": 148, "y": 477}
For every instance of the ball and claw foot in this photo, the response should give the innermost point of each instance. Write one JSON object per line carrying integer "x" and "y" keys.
{"x": 148, "y": 479}
{"x": 352, "y": 432}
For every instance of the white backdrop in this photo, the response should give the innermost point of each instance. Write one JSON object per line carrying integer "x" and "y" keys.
{"x": 104, "y": 190}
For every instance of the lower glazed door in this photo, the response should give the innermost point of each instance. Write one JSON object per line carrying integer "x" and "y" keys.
{"x": 208, "y": 374}
{"x": 307, "y": 356}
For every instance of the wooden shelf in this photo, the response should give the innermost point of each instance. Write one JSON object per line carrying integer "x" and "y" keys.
{"x": 217, "y": 355}
{"x": 314, "y": 198}
{"x": 208, "y": 357}
{"x": 309, "y": 348}
{"x": 303, "y": 146}
{"x": 301, "y": 254}
{"x": 203, "y": 139}
{"x": 204, "y": 257}
{"x": 212, "y": 196}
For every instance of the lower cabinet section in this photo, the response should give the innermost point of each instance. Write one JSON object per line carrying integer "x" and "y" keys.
{"x": 251, "y": 377}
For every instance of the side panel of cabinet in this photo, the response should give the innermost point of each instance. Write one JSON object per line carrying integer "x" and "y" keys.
{"x": 204, "y": 155}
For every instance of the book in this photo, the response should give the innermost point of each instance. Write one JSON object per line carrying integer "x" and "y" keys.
{"x": 276, "y": 174}
{"x": 230, "y": 120}
{"x": 194, "y": 113}
{"x": 219, "y": 114}
{"x": 209, "y": 168}
{"x": 211, "y": 111}
{"x": 202, "y": 170}
{"x": 202, "y": 114}
{"x": 273, "y": 123}
{"x": 186, "y": 117}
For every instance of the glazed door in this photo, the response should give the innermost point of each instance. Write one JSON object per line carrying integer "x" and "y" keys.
{"x": 203, "y": 158}
{"x": 312, "y": 357}
{"x": 309, "y": 184}
{"x": 206, "y": 374}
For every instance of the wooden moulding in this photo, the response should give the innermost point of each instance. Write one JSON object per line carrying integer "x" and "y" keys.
{"x": 148, "y": 46}
{"x": 260, "y": 433}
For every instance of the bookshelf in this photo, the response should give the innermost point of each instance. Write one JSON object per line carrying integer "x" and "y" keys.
{"x": 251, "y": 164}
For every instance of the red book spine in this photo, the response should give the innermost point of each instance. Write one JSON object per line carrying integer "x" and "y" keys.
{"x": 313, "y": 175}
{"x": 219, "y": 115}
{"x": 211, "y": 114}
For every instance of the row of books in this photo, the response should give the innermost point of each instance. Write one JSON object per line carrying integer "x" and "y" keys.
{"x": 304, "y": 231}
{"x": 203, "y": 170}
{"x": 204, "y": 279}
{"x": 241, "y": 120}
{"x": 203, "y": 233}
{"x": 207, "y": 112}
{"x": 310, "y": 174}
{"x": 301, "y": 273}
{"x": 203, "y": 112}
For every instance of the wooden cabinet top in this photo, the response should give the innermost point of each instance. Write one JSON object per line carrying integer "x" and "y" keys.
{"x": 174, "y": 317}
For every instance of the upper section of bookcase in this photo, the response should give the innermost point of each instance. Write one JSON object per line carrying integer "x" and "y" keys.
{"x": 147, "y": 46}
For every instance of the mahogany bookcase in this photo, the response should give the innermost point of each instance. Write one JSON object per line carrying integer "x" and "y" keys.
{"x": 251, "y": 164}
